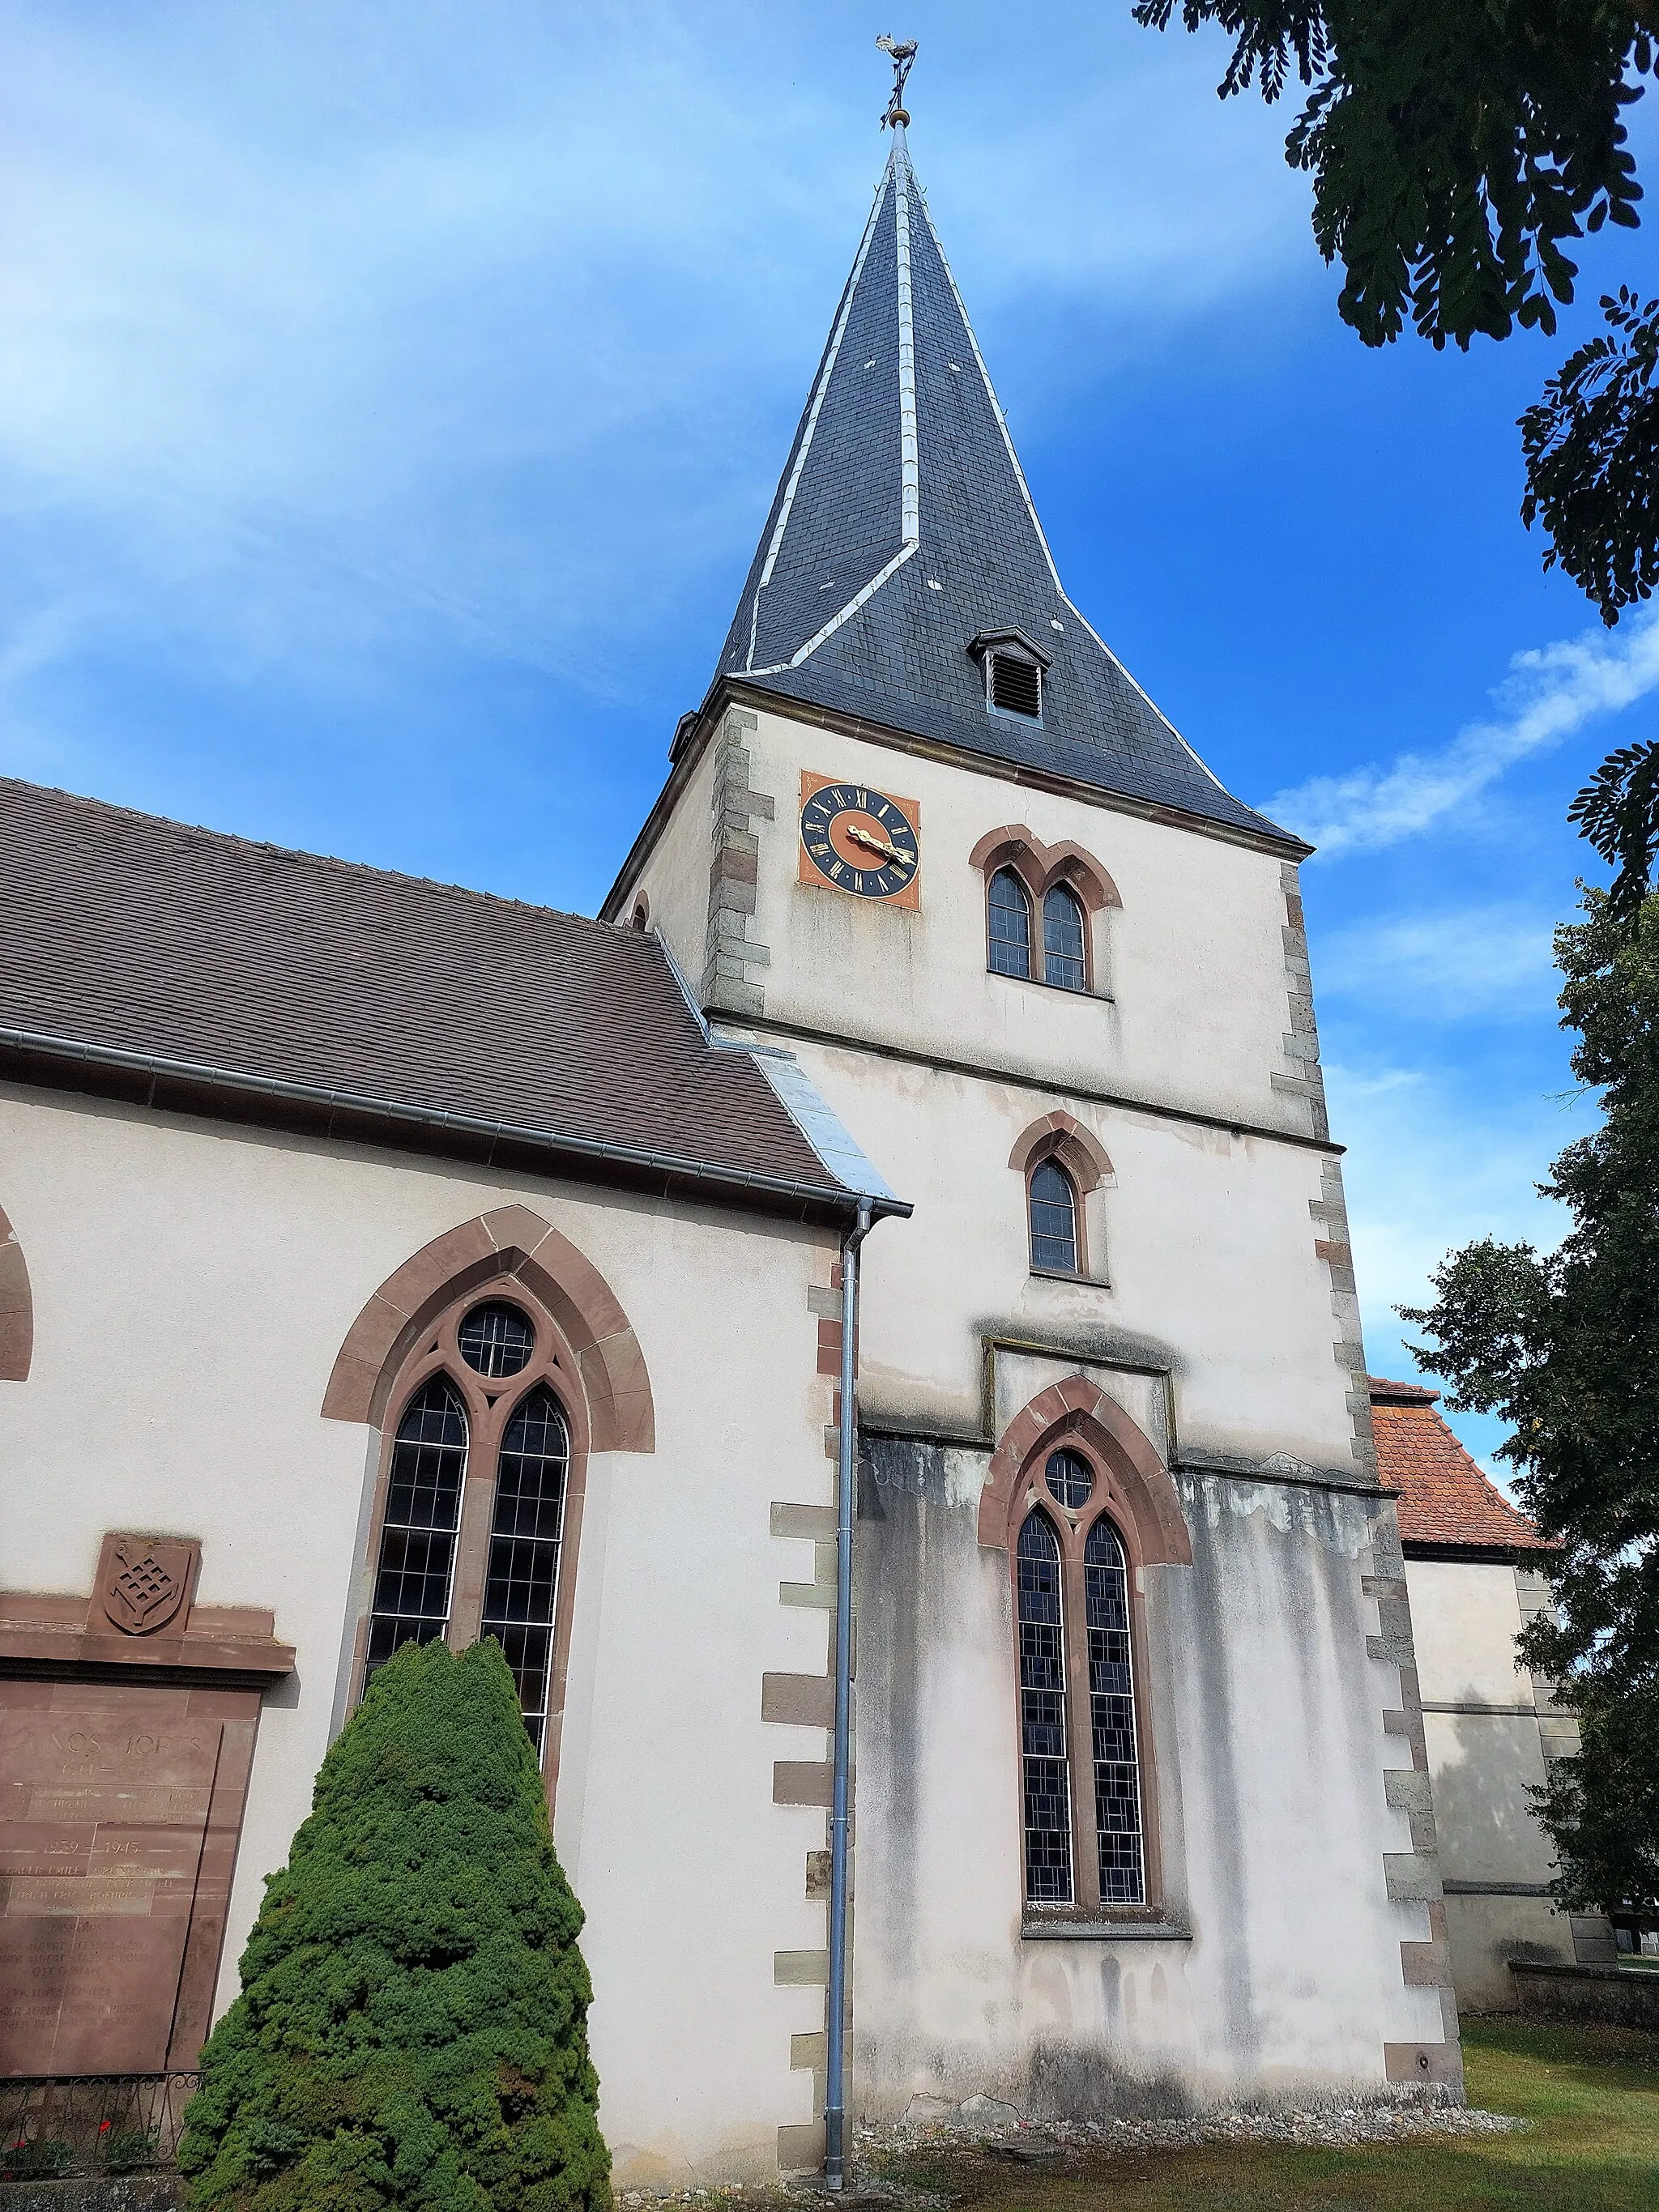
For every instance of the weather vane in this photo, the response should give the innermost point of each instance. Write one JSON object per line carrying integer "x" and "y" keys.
{"x": 903, "y": 51}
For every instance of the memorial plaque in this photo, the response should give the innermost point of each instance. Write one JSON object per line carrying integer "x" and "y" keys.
{"x": 105, "y": 1797}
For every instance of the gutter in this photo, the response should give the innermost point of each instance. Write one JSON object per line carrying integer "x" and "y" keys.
{"x": 709, "y": 1175}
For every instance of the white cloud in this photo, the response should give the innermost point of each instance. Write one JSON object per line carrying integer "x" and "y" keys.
{"x": 1439, "y": 1156}
{"x": 1549, "y": 694}
{"x": 1492, "y": 962}
{"x": 329, "y": 324}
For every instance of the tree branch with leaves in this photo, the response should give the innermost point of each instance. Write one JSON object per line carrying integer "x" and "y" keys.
{"x": 1455, "y": 148}
{"x": 1564, "y": 1346}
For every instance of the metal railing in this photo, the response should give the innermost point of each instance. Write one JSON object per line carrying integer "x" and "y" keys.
{"x": 90, "y": 2124}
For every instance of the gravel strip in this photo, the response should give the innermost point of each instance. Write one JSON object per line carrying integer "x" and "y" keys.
{"x": 1052, "y": 2142}
{"x": 1334, "y": 2125}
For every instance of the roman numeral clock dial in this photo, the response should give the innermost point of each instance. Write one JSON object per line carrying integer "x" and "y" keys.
{"x": 861, "y": 840}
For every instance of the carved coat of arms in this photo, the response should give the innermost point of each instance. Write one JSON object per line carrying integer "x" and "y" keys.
{"x": 145, "y": 1583}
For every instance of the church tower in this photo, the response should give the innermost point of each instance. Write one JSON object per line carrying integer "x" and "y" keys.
{"x": 1141, "y": 1796}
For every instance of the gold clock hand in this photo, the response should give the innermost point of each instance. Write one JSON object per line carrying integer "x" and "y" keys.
{"x": 877, "y": 844}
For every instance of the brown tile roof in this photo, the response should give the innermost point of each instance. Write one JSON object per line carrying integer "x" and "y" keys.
{"x": 1445, "y": 1497}
{"x": 138, "y": 937}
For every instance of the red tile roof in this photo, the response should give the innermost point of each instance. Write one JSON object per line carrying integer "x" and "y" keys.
{"x": 1444, "y": 1498}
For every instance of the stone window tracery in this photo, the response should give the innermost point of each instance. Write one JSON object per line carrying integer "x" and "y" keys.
{"x": 477, "y": 1496}
{"x": 1084, "y": 1504}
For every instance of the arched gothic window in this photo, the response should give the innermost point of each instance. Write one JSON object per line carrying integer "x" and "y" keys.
{"x": 1080, "y": 1748}
{"x": 1063, "y": 961}
{"x": 1053, "y": 1208}
{"x": 476, "y": 1497}
{"x": 1009, "y": 924}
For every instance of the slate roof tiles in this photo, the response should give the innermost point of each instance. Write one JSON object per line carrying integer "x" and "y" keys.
{"x": 974, "y": 558}
{"x": 137, "y": 935}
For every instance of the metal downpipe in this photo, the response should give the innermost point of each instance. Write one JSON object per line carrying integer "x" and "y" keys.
{"x": 835, "y": 2086}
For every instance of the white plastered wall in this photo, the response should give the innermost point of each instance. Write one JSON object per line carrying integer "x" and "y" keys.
{"x": 1194, "y": 961}
{"x": 1269, "y": 1752}
{"x": 193, "y": 1285}
{"x": 1486, "y": 1749}
{"x": 1213, "y": 1315}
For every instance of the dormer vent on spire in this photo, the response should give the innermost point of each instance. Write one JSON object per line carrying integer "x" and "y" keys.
{"x": 1013, "y": 669}
{"x": 903, "y": 450}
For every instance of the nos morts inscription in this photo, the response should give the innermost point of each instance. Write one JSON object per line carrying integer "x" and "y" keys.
{"x": 105, "y": 1798}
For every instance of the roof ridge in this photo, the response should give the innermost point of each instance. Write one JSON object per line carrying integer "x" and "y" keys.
{"x": 1379, "y": 1386}
{"x": 233, "y": 839}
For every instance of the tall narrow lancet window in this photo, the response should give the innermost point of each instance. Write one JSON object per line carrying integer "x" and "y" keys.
{"x": 423, "y": 1514}
{"x": 1054, "y": 1219}
{"x": 1045, "y": 1771}
{"x": 1062, "y": 940}
{"x": 1009, "y": 924}
{"x": 1112, "y": 1718}
{"x": 522, "y": 1580}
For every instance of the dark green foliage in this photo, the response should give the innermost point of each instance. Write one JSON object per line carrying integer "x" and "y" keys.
{"x": 1617, "y": 810}
{"x": 1592, "y": 452}
{"x": 1599, "y": 1807}
{"x": 1564, "y": 1347}
{"x": 412, "y": 2025}
{"x": 1453, "y": 144}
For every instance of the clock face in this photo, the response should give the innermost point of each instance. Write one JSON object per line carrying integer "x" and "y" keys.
{"x": 859, "y": 839}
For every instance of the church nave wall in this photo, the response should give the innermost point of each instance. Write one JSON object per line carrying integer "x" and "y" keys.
{"x": 194, "y": 1285}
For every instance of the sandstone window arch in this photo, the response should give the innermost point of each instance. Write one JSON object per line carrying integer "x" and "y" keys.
{"x": 510, "y": 1318}
{"x": 1063, "y": 1164}
{"x": 1042, "y": 904}
{"x": 16, "y": 1308}
{"x": 1081, "y": 1502}
{"x": 483, "y": 1460}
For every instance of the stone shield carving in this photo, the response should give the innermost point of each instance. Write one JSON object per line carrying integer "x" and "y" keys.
{"x": 145, "y": 1584}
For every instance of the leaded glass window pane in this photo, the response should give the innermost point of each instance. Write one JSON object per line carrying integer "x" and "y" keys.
{"x": 1011, "y": 925}
{"x": 495, "y": 1339}
{"x": 1062, "y": 940}
{"x": 422, "y": 1512}
{"x": 1044, "y": 1771}
{"x": 1112, "y": 1718}
{"x": 1054, "y": 1219}
{"x": 1070, "y": 1478}
{"x": 522, "y": 1579}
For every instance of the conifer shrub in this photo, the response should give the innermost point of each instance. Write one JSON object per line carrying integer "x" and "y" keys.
{"x": 412, "y": 2025}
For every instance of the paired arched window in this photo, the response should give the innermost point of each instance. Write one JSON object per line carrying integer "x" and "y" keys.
{"x": 1079, "y": 1755}
{"x": 1009, "y": 933}
{"x": 472, "y": 1522}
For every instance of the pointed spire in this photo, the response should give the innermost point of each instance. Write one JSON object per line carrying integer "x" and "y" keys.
{"x": 903, "y": 541}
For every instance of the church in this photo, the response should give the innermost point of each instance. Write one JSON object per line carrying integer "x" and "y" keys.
{"x": 379, "y": 1259}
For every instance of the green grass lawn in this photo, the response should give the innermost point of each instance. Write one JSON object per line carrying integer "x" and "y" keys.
{"x": 1591, "y": 2093}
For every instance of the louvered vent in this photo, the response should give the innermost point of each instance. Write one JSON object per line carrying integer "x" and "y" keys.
{"x": 1016, "y": 685}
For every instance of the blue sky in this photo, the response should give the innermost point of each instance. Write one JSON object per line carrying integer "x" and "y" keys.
{"x": 391, "y": 397}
